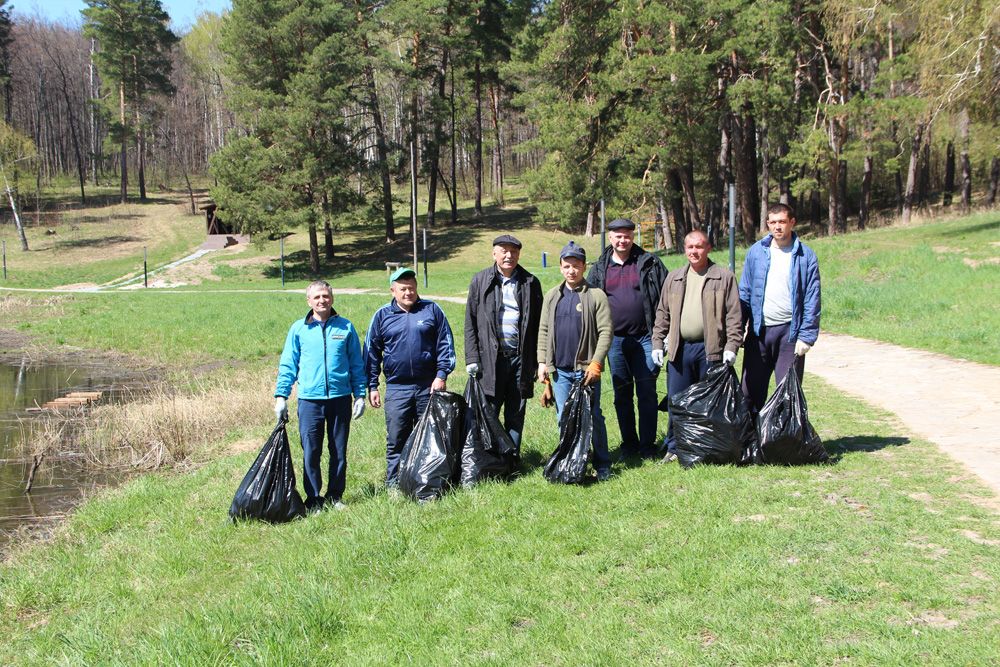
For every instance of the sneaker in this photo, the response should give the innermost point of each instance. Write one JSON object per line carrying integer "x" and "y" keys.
{"x": 669, "y": 457}
{"x": 336, "y": 505}
{"x": 603, "y": 475}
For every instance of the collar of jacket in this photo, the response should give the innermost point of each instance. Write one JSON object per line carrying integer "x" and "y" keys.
{"x": 309, "y": 316}
{"x": 711, "y": 271}
{"x": 396, "y": 308}
{"x": 637, "y": 252}
{"x": 796, "y": 244}
{"x": 518, "y": 276}
{"x": 583, "y": 287}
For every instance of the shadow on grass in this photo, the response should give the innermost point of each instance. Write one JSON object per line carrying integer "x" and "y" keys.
{"x": 369, "y": 251}
{"x": 838, "y": 447}
{"x": 96, "y": 243}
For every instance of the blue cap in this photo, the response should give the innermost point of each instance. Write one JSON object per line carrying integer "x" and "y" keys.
{"x": 571, "y": 249}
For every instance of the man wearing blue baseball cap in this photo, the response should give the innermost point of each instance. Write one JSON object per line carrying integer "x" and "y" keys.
{"x": 410, "y": 341}
{"x": 574, "y": 335}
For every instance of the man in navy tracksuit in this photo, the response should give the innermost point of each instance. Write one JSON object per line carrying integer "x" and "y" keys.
{"x": 323, "y": 354}
{"x": 780, "y": 299}
{"x": 410, "y": 340}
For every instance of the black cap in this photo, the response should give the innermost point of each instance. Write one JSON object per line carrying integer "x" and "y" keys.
{"x": 507, "y": 239}
{"x": 571, "y": 249}
{"x": 621, "y": 223}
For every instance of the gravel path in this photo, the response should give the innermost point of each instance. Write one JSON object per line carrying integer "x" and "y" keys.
{"x": 953, "y": 403}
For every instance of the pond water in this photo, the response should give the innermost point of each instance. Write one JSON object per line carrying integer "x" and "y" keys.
{"x": 62, "y": 479}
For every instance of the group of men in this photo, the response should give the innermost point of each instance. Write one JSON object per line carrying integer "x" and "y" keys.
{"x": 628, "y": 310}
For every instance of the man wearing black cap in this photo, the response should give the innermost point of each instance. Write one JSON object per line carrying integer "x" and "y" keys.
{"x": 632, "y": 278}
{"x": 409, "y": 339}
{"x": 501, "y": 332}
{"x": 574, "y": 335}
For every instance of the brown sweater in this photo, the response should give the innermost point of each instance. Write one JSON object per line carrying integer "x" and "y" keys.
{"x": 720, "y": 308}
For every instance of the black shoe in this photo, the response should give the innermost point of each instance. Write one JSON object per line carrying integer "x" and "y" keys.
{"x": 603, "y": 475}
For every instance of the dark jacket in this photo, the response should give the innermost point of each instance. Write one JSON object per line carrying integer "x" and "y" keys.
{"x": 652, "y": 273}
{"x": 720, "y": 311}
{"x": 411, "y": 348}
{"x": 482, "y": 339}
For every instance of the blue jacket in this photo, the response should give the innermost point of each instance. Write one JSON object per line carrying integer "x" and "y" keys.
{"x": 803, "y": 285}
{"x": 324, "y": 357}
{"x": 410, "y": 347}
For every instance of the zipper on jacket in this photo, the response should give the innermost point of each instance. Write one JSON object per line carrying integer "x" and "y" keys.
{"x": 326, "y": 371}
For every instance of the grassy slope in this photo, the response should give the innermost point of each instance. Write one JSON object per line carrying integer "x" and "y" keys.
{"x": 863, "y": 560}
{"x": 886, "y": 557}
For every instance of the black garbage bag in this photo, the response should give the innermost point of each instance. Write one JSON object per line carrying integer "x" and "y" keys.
{"x": 711, "y": 421}
{"x": 576, "y": 433}
{"x": 429, "y": 462}
{"x": 268, "y": 491}
{"x": 489, "y": 450}
{"x": 786, "y": 436}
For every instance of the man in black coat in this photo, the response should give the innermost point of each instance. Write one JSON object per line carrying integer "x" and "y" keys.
{"x": 632, "y": 279}
{"x": 501, "y": 332}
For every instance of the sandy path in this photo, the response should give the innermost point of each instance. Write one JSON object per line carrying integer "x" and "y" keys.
{"x": 953, "y": 403}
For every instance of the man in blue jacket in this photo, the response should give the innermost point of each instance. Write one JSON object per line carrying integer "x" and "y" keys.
{"x": 323, "y": 354}
{"x": 780, "y": 299}
{"x": 410, "y": 341}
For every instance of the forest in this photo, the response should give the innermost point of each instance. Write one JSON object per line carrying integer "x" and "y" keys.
{"x": 311, "y": 114}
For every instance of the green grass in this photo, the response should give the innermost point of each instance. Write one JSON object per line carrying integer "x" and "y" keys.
{"x": 934, "y": 286}
{"x": 887, "y": 557}
{"x": 865, "y": 560}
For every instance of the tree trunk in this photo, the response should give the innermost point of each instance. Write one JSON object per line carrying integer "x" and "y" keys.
{"x": 454, "y": 157}
{"x": 664, "y": 221}
{"x": 991, "y": 198}
{"x": 313, "y": 250}
{"x": 677, "y": 204}
{"x": 949, "y": 174}
{"x": 434, "y": 146}
{"x": 924, "y": 171}
{"x": 765, "y": 177}
{"x": 866, "y": 193}
{"x": 140, "y": 150}
{"x": 843, "y": 209}
{"x": 745, "y": 163}
{"x": 124, "y": 140}
{"x": 381, "y": 150}
{"x": 498, "y": 146}
{"x": 912, "y": 172}
{"x": 687, "y": 185}
{"x": 592, "y": 209}
{"x": 963, "y": 133}
{"x": 477, "y": 158}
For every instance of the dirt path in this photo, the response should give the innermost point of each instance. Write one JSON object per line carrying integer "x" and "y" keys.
{"x": 953, "y": 403}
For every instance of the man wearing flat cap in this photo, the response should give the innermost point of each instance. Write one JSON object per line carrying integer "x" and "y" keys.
{"x": 632, "y": 278}
{"x": 501, "y": 333}
{"x": 409, "y": 340}
{"x": 574, "y": 335}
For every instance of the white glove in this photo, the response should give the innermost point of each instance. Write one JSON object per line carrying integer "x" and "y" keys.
{"x": 359, "y": 408}
{"x": 658, "y": 357}
{"x": 729, "y": 357}
{"x": 801, "y": 348}
{"x": 281, "y": 408}
{"x": 472, "y": 370}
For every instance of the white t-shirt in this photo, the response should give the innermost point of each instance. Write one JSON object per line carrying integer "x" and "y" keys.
{"x": 777, "y": 298}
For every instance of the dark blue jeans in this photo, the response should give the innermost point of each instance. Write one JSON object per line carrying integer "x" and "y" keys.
{"x": 333, "y": 416}
{"x": 507, "y": 396}
{"x": 561, "y": 385}
{"x": 633, "y": 371}
{"x": 403, "y": 405}
{"x": 764, "y": 355}
{"x": 689, "y": 366}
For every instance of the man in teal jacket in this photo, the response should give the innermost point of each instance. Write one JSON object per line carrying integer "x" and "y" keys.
{"x": 323, "y": 354}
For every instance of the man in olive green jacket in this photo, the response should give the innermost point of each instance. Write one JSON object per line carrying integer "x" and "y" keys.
{"x": 699, "y": 319}
{"x": 574, "y": 336}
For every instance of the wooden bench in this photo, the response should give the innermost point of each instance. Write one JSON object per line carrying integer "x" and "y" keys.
{"x": 391, "y": 266}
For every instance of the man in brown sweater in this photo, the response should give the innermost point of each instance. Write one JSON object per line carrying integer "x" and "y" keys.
{"x": 698, "y": 321}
